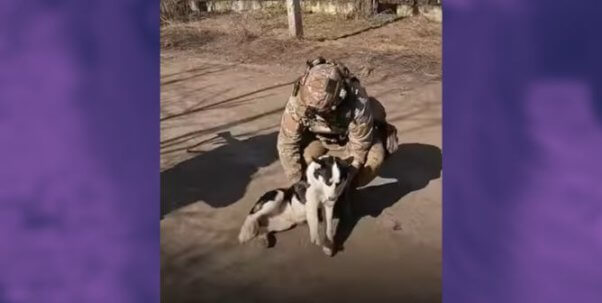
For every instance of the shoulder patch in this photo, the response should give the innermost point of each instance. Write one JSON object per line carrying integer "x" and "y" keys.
{"x": 294, "y": 108}
{"x": 291, "y": 121}
{"x": 289, "y": 125}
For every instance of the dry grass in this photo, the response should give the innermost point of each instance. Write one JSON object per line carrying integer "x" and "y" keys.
{"x": 174, "y": 10}
{"x": 185, "y": 36}
{"x": 230, "y": 29}
{"x": 408, "y": 45}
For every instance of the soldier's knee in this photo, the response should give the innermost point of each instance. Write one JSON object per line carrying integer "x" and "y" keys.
{"x": 376, "y": 155}
{"x": 364, "y": 176}
{"x": 374, "y": 161}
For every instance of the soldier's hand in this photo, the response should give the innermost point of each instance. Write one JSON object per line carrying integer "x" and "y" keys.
{"x": 296, "y": 178}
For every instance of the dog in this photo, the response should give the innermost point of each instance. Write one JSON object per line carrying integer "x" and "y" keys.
{"x": 324, "y": 181}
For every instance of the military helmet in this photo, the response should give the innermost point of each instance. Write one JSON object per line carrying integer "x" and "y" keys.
{"x": 322, "y": 86}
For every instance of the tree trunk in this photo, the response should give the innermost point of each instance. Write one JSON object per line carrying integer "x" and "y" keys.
{"x": 295, "y": 25}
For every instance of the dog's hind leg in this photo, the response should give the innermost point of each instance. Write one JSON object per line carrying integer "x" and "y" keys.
{"x": 273, "y": 225}
{"x": 276, "y": 224}
{"x": 266, "y": 205}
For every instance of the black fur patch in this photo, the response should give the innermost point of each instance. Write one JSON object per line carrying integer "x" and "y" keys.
{"x": 300, "y": 188}
{"x": 325, "y": 169}
{"x": 343, "y": 169}
{"x": 297, "y": 190}
{"x": 288, "y": 194}
{"x": 267, "y": 197}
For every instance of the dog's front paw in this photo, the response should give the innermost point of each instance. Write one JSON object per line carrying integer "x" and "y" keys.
{"x": 316, "y": 240}
{"x": 329, "y": 251}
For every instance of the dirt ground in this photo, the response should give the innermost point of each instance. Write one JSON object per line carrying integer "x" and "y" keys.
{"x": 222, "y": 94}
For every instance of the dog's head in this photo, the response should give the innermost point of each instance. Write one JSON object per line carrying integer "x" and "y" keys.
{"x": 329, "y": 174}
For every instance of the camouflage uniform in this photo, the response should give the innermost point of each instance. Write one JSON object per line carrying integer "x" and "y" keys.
{"x": 356, "y": 128}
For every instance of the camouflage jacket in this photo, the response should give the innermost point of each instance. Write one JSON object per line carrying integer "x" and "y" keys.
{"x": 351, "y": 124}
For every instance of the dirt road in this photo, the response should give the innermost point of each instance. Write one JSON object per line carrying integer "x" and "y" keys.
{"x": 218, "y": 155}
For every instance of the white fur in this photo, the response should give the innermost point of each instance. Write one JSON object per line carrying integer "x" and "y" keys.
{"x": 282, "y": 215}
{"x": 320, "y": 195}
{"x": 250, "y": 227}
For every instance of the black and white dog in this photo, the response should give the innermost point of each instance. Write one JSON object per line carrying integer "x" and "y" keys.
{"x": 324, "y": 181}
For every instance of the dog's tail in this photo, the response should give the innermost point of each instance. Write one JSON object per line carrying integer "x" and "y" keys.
{"x": 267, "y": 204}
{"x": 249, "y": 229}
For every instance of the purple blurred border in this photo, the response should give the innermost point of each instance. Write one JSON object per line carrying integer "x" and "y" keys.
{"x": 79, "y": 108}
{"x": 522, "y": 215}
{"x": 79, "y": 94}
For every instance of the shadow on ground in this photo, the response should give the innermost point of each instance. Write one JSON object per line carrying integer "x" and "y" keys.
{"x": 414, "y": 165}
{"x": 218, "y": 177}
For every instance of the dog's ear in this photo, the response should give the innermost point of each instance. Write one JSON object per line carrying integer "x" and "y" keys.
{"x": 347, "y": 161}
{"x": 315, "y": 159}
{"x": 301, "y": 184}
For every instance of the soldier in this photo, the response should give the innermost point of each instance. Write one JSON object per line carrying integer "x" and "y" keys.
{"x": 329, "y": 111}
